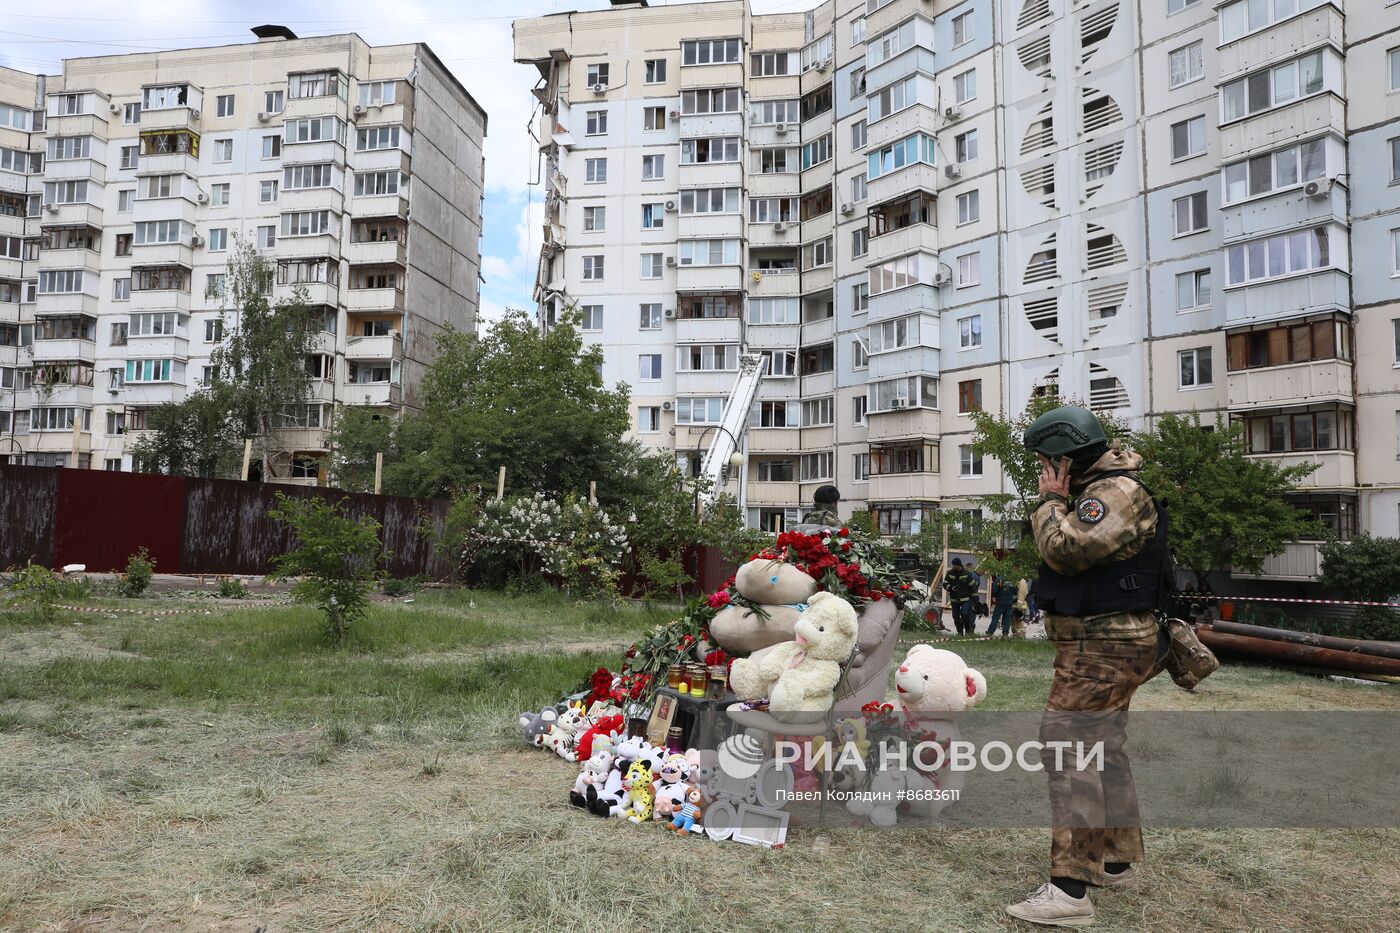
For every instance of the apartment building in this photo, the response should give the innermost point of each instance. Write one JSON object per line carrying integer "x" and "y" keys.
{"x": 126, "y": 181}
{"x": 916, "y": 209}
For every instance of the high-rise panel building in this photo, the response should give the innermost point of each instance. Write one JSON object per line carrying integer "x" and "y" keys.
{"x": 916, "y": 209}
{"x": 127, "y": 180}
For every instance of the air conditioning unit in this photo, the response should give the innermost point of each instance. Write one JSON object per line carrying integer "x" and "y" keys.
{"x": 669, "y": 314}
{"x": 359, "y": 110}
{"x": 196, "y": 240}
{"x": 667, "y": 406}
{"x": 823, "y": 65}
{"x": 941, "y": 278}
{"x": 899, "y": 403}
{"x": 675, "y": 115}
{"x": 952, "y": 112}
{"x": 780, "y": 227}
{"x": 114, "y": 107}
{"x": 953, "y": 170}
{"x": 671, "y": 207}
{"x": 202, "y": 198}
{"x": 781, "y": 129}
{"x": 264, "y": 116}
{"x": 599, "y": 88}
{"x": 847, "y": 210}
{"x": 194, "y": 114}
{"x": 1319, "y": 188}
{"x": 51, "y": 208}
{"x": 670, "y": 260}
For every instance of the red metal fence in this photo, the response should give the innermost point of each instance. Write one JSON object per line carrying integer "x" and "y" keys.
{"x": 59, "y": 516}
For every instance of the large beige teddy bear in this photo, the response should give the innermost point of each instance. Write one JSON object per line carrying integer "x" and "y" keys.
{"x": 934, "y": 688}
{"x": 799, "y": 676}
{"x": 780, "y": 588}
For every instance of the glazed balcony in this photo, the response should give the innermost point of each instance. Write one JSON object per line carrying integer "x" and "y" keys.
{"x": 1291, "y": 384}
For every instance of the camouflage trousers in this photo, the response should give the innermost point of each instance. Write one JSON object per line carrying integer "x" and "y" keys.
{"x": 1093, "y": 802}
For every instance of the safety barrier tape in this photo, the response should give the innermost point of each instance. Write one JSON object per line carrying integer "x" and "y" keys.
{"x": 1284, "y": 599}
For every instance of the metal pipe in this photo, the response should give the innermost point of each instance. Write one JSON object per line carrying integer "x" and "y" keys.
{"x": 1292, "y": 653}
{"x": 1385, "y": 649}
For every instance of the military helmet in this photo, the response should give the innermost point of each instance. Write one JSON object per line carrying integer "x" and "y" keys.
{"x": 827, "y": 494}
{"x": 1064, "y": 431}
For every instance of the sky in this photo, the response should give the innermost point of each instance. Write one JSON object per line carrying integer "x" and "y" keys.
{"x": 472, "y": 37}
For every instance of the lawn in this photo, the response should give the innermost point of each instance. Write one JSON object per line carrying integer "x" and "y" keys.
{"x": 221, "y": 769}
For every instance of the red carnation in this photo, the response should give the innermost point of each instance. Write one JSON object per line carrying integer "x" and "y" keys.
{"x": 845, "y": 532}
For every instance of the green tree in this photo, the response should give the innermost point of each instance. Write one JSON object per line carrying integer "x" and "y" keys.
{"x": 335, "y": 559}
{"x": 1364, "y": 567}
{"x": 258, "y": 377}
{"x": 1227, "y": 508}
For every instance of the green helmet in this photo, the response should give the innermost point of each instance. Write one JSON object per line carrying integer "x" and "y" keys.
{"x": 1064, "y": 431}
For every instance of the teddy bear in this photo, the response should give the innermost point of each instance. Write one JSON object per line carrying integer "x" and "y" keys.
{"x": 591, "y": 778}
{"x": 934, "y": 687}
{"x": 687, "y": 819}
{"x": 798, "y": 676}
{"x": 703, "y": 767}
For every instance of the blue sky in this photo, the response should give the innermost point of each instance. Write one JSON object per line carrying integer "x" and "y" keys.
{"x": 473, "y": 38}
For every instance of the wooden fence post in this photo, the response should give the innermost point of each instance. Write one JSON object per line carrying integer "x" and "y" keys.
{"x": 378, "y": 471}
{"x": 247, "y": 458}
{"x": 501, "y": 484}
{"x": 593, "y": 491}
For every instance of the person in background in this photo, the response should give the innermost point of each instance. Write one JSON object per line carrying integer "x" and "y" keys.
{"x": 824, "y": 503}
{"x": 1021, "y": 616}
{"x": 1003, "y": 604}
{"x": 961, "y": 586}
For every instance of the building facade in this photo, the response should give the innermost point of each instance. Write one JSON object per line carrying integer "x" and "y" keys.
{"x": 919, "y": 209}
{"x": 126, "y": 181}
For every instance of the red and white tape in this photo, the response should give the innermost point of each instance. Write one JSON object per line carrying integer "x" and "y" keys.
{"x": 1284, "y": 599}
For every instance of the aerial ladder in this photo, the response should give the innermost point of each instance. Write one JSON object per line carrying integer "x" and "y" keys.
{"x": 732, "y": 424}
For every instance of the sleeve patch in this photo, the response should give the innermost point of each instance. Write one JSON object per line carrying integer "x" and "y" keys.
{"x": 1091, "y": 511}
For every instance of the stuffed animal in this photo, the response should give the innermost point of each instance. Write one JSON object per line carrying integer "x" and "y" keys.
{"x": 603, "y": 732}
{"x": 669, "y": 787}
{"x": 534, "y": 725}
{"x": 799, "y": 676}
{"x": 934, "y": 688}
{"x": 704, "y": 765}
{"x": 593, "y": 776}
{"x": 563, "y": 736}
{"x": 847, "y": 732}
{"x": 637, "y": 783}
{"x": 608, "y": 798}
{"x": 687, "y": 818}
{"x": 774, "y": 582}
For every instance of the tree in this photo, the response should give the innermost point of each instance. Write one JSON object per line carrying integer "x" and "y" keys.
{"x": 1227, "y": 509}
{"x": 258, "y": 378}
{"x": 335, "y": 557}
{"x": 1367, "y": 569}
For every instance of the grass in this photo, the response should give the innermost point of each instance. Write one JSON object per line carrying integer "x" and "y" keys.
{"x": 228, "y": 771}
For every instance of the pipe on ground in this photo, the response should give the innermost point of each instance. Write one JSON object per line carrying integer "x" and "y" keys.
{"x": 1293, "y": 653}
{"x": 1385, "y": 649}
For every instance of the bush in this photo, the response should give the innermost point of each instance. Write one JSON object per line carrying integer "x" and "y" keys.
{"x": 399, "y": 586}
{"x": 231, "y": 588}
{"x": 33, "y": 589}
{"x": 335, "y": 556}
{"x": 139, "y": 571}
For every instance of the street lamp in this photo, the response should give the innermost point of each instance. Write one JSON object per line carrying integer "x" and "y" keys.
{"x": 736, "y": 459}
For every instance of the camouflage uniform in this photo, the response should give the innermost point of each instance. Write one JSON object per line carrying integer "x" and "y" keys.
{"x": 1100, "y": 661}
{"x": 822, "y": 516}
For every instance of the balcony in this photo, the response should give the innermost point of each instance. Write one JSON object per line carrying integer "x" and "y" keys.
{"x": 374, "y": 299}
{"x": 372, "y": 393}
{"x": 66, "y": 303}
{"x": 316, "y": 293}
{"x": 900, "y": 423}
{"x": 89, "y": 260}
{"x": 160, "y": 299}
{"x": 709, "y": 278}
{"x": 712, "y": 174}
{"x": 1274, "y": 128}
{"x": 321, "y": 150}
{"x": 1287, "y": 297}
{"x": 710, "y": 226}
{"x": 817, "y": 280}
{"x": 311, "y": 199}
{"x": 1300, "y": 561}
{"x": 773, "y": 336}
{"x": 1278, "y": 42}
{"x": 168, "y": 163}
{"x": 63, "y": 396}
{"x": 163, "y": 254}
{"x": 705, "y": 381}
{"x": 386, "y": 347}
{"x": 186, "y": 117}
{"x": 377, "y": 252}
{"x": 309, "y": 247}
{"x": 708, "y": 330}
{"x": 920, "y": 176}
{"x": 71, "y": 215}
{"x": 712, "y": 124}
{"x": 381, "y": 205}
{"x": 159, "y": 346}
{"x": 901, "y": 487}
{"x": 1294, "y": 384}
{"x": 382, "y": 160}
{"x": 705, "y": 76}
{"x": 57, "y": 350}
{"x": 78, "y": 124}
{"x": 772, "y": 494}
{"x": 1336, "y": 469}
{"x": 914, "y": 238}
{"x": 75, "y": 170}
{"x": 145, "y": 394}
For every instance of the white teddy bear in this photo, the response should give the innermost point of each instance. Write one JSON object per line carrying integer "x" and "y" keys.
{"x": 934, "y": 687}
{"x": 798, "y": 676}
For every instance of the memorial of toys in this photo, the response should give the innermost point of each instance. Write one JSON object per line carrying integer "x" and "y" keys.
{"x": 683, "y": 734}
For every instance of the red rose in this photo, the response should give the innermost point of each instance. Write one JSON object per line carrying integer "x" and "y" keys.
{"x": 845, "y": 532}
{"x": 688, "y": 640}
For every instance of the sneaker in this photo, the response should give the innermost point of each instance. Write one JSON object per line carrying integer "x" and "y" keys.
{"x": 1123, "y": 877}
{"x": 1052, "y": 907}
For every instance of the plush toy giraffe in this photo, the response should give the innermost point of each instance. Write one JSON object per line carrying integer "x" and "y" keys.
{"x": 639, "y": 792}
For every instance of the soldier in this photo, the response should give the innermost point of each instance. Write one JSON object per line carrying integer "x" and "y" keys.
{"x": 823, "y": 512}
{"x": 1105, "y": 570}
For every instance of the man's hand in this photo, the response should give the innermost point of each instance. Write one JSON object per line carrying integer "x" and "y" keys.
{"x": 1054, "y": 476}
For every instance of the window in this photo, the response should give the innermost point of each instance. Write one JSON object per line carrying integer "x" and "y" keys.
{"x": 894, "y": 335}
{"x": 774, "y": 471}
{"x": 158, "y": 231}
{"x": 969, "y": 269}
{"x": 710, "y": 201}
{"x": 1276, "y": 171}
{"x": 894, "y": 98}
{"x": 711, "y": 100}
{"x": 816, "y": 152}
{"x": 765, "y": 112}
{"x": 1194, "y": 368}
{"x": 1395, "y": 326}
{"x": 860, "y": 189}
{"x": 860, "y": 242}
{"x": 218, "y": 193}
{"x": 131, "y": 114}
{"x": 267, "y": 191}
{"x": 965, "y": 86}
{"x": 774, "y": 311}
{"x": 965, "y": 145}
{"x": 710, "y": 51}
{"x": 774, "y": 415}
{"x": 593, "y": 268}
{"x": 860, "y": 354}
{"x": 320, "y": 175}
{"x": 963, "y": 29}
{"x": 372, "y": 138}
{"x": 218, "y": 239}
{"x": 592, "y": 317}
{"x": 1290, "y": 343}
{"x": 594, "y": 219}
{"x": 859, "y": 134}
{"x": 214, "y": 285}
{"x": 1272, "y": 87}
{"x": 699, "y": 410}
{"x": 650, "y": 316}
{"x": 653, "y": 167}
{"x": 267, "y": 237}
{"x": 818, "y": 359}
{"x": 121, "y": 291}
{"x": 650, "y": 366}
{"x": 815, "y": 255}
{"x": 857, "y": 30}
{"x": 817, "y": 54}
{"x": 816, "y": 466}
{"x": 651, "y": 267}
{"x": 597, "y": 123}
{"x": 773, "y": 210}
{"x": 889, "y": 44}
{"x": 66, "y": 192}
{"x": 307, "y": 223}
{"x": 648, "y": 419}
{"x": 1239, "y": 19}
{"x": 709, "y": 252}
{"x": 1279, "y": 255}
{"x": 62, "y": 148}
{"x": 860, "y": 408}
{"x": 1193, "y": 290}
{"x": 653, "y": 118}
{"x": 60, "y": 281}
{"x": 272, "y": 102}
{"x": 213, "y": 330}
{"x": 1185, "y": 64}
{"x": 911, "y": 149}
{"x": 970, "y": 332}
{"x": 969, "y": 461}
{"x": 1189, "y": 137}
{"x": 148, "y": 370}
{"x": 655, "y": 71}
{"x": 818, "y": 411}
{"x": 1189, "y": 214}
{"x": 969, "y": 396}
{"x": 892, "y": 274}
{"x": 715, "y": 149}
{"x": 595, "y": 171}
{"x": 378, "y": 93}
{"x": 781, "y": 363}
{"x": 1393, "y": 58}
{"x": 1176, "y": 6}
{"x": 317, "y": 84}
{"x": 313, "y": 130}
{"x": 225, "y": 105}
{"x": 1395, "y": 160}
{"x": 1313, "y": 430}
{"x": 970, "y": 207}
{"x": 817, "y": 102}
{"x": 223, "y": 150}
